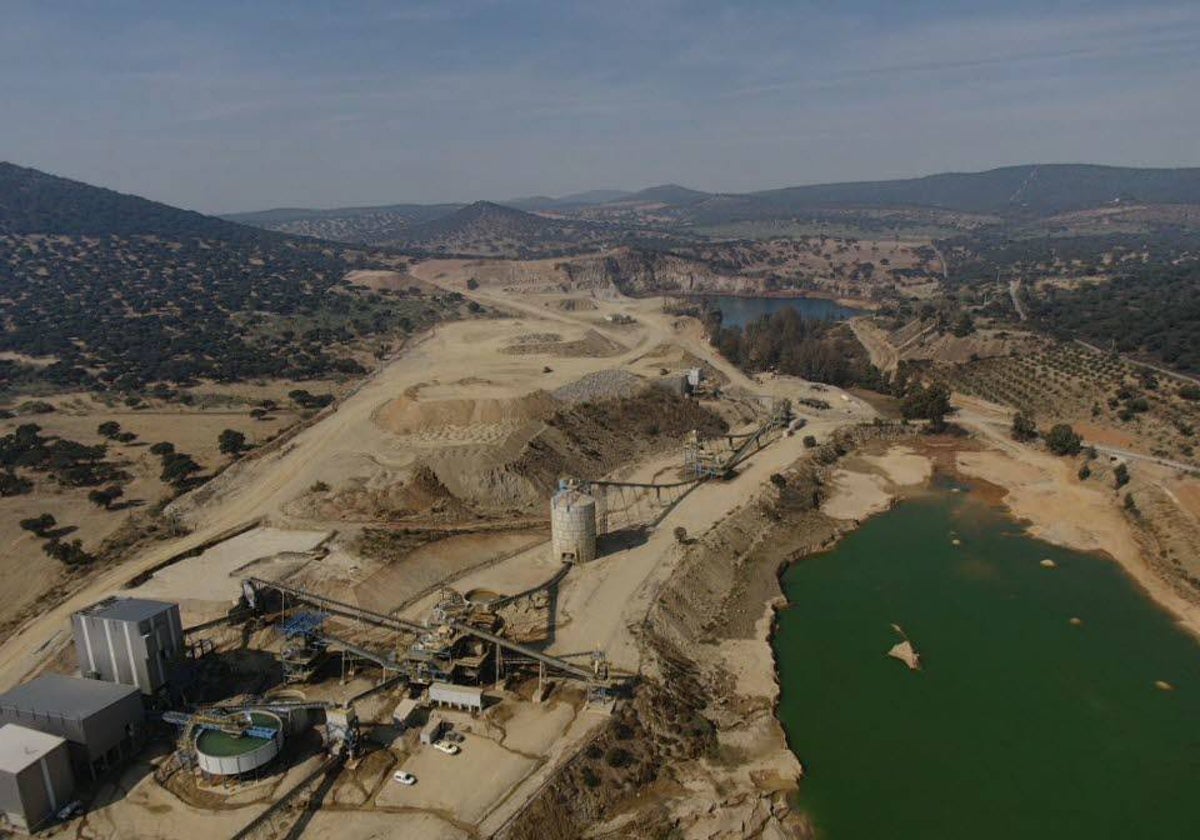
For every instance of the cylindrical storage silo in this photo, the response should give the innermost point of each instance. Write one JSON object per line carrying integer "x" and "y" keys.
{"x": 223, "y": 754}
{"x": 573, "y": 526}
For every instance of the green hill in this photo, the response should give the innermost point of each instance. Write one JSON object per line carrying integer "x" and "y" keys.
{"x": 116, "y": 293}
{"x": 1031, "y": 190}
{"x": 37, "y": 202}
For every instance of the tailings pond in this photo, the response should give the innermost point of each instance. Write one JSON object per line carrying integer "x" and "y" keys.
{"x": 739, "y": 311}
{"x": 1022, "y": 723}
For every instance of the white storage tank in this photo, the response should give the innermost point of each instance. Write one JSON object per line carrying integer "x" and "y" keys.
{"x": 226, "y": 754}
{"x": 573, "y": 524}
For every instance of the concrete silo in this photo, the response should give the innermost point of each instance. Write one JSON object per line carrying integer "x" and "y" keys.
{"x": 573, "y": 524}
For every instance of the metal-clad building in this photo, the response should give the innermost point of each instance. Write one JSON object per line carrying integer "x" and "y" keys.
{"x": 132, "y": 641}
{"x": 104, "y": 723}
{"x": 456, "y": 696}
{"x": 35, "y": 776}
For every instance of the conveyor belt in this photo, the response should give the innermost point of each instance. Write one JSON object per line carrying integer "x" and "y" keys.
{"x": 393, "y": 623}
{"x": 340, "y": 608}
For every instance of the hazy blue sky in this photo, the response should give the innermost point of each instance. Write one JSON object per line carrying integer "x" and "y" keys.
{"x": 224, "y": 106}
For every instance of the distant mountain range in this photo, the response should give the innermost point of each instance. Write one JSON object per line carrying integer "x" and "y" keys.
{"x": 1034, "y": 195}
{"x": 1012, "y": 194}
{"x": 489, "y": 229}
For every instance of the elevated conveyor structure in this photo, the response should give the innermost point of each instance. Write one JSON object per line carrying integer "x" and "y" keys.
{"x": 329, "y": 605}
{"x": 252, "y": 585}
{"x": 623, "y": 500}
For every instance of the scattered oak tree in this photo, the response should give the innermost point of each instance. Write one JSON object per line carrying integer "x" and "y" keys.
{"x": 1121, "y": 475}
{"x": 1062, "y": 440}
{"x": 930, "y": 403}
{"x": 1023, "y": 427}
{"x": 231, "y": 442}
{"x": 105, "y": 498}
{"x": 39, "y": 525}
{"x": 178, "y": 468}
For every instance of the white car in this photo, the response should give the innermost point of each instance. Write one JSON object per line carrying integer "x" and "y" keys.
{"x": 404, "y": 778}
{"x": 446, "y": 747}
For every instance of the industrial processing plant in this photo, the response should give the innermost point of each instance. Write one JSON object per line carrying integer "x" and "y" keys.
{"x": 280, "y": 681}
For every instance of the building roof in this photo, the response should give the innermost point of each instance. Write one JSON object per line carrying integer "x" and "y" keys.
{"x": 455, "y": 693}
{"x": 405, "y": 708}
{"x": 21, "y": 746}
{"x": 69, "y": 697}
{"x": 127, "y": 609}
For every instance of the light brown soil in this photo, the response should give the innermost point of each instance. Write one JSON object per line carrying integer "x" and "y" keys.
{"x": 412, "y": 415}
{"x": 27, "y": 572}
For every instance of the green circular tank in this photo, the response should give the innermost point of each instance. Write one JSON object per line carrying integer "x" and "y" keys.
{"x": 222, "y": 754}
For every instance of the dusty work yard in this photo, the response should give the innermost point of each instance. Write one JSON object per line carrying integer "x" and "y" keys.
{"x": 436, "y": 473}
{"x": 451, "y": 435}
{"x": 29, "y": 574}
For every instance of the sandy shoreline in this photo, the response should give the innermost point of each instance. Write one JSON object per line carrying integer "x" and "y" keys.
{"x": 864, "y": 304}
{"x": 1042, "y": 493}
{"x": 1039, "y": 491}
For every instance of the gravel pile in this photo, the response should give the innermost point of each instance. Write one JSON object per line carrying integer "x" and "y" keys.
{"x": 601, "y": 385}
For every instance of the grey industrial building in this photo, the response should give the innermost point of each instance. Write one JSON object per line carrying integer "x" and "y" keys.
{"x": 35, "y": 776}
{"x": 104, "y": 723}
{"x": 132, "y": 641}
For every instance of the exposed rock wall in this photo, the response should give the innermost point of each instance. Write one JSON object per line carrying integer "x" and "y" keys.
{"x": 708, "y": 757}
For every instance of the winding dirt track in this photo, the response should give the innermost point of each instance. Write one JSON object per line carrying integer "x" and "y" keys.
{"x": 261, "y": 487}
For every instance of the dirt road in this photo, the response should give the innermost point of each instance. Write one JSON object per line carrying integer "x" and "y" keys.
{"x": 466, "y": 357}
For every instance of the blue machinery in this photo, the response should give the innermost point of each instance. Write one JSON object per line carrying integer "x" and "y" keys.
{"x": 235, "y": 724}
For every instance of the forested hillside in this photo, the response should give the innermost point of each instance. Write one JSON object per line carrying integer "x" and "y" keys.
{"x": 1037, "y": 190}
{"x": 1150, "y": 311}
{"x": 36, "y": 202}
{"x": 107, "y": 291}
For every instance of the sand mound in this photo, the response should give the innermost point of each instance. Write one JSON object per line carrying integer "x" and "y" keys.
{"x": 600, "y": 385}
{"x": 408, "y": 415}
{"x": 392, "y": 497}
{"x": 591, "y": 345}
{"x": 576, "y": 305}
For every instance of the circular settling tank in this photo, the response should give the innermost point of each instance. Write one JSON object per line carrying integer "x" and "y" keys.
{"x": 481, "y": 597}
{"x": 223, "y": 754}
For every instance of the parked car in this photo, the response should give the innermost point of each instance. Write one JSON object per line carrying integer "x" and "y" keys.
{"x": 404, "y": 778}
{"x": 446, "y": 747}
{"x": 454, "y": 737}
{"x": 70, "y": 810}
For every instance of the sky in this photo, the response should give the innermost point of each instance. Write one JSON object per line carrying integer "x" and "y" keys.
{"x": 230, "y": 106}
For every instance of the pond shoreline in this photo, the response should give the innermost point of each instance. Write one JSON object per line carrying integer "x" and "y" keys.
{"x": 993, "y": 488}
{"x": 865, "y": 304}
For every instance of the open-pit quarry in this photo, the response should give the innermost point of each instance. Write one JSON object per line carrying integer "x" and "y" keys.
{"x": 399, "y": 544}
{"x": 383, "y": 639}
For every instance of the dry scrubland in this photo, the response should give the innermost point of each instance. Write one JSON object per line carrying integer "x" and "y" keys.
{"x": 844, "y": 267}
{"x": 30, "y": 576}
{"x": 1110, "y": 401}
